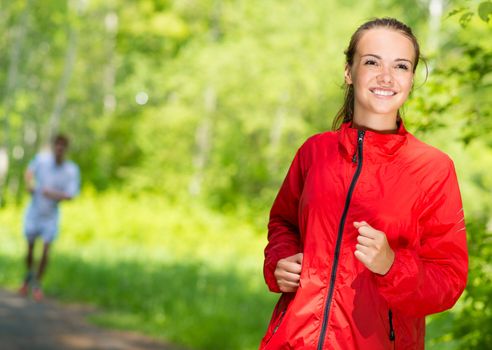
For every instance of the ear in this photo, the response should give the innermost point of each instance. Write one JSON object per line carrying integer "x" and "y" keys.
{"x": 348, "y": 75}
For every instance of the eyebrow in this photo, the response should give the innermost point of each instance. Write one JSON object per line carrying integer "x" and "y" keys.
{"x": 379, "y": 57}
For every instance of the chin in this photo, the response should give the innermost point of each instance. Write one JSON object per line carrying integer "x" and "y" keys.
{"x": 387, "y": 109}
{"x": 383, "y": 112}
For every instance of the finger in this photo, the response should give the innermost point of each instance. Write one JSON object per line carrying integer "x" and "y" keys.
{"x": 358, "y": 224}
{"x": 297, "y": 258}
{"x": 288, "y": 283}
{"x": 366, "y": 241}
{"x": 365, "y": 259}
{"x": 284, "y": 289}
{"x": 290, "y": 267}
{"x": 361, "y": 257}
{"x": 368, "y": 231}
{"x": 290, "y": 277}
{"x": 363, "y": 249}
{"x": 282, "y": 273}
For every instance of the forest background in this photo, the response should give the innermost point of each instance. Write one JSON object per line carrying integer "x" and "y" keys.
{"x": 184, "y": 117}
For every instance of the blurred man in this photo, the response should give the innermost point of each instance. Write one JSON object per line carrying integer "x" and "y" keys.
{"x": 50, "y": 179}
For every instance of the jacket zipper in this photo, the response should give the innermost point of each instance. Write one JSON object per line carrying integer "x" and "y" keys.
{"x": 358, "y": 154}
{"x": 392, "y": 330}
{"x": 279, "y": 322}
{"x": 281, "y": 317}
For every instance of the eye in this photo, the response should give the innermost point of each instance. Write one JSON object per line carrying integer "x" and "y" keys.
{"x": 370, "y": 63}
{"x": 402, "y": 66}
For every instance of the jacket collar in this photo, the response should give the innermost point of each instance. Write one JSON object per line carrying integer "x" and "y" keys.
{"x": 377, "y": 146}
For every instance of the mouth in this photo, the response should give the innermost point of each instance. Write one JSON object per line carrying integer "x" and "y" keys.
{"x": 382, "y": 92}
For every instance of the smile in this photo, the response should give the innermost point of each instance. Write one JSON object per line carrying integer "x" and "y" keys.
{"x": 381, "y": 92}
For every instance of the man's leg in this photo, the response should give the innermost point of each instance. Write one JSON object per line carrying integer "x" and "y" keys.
{"x": 30, "y": 255}
{"x": 37, "y": 292}
{"x": 24, "y": 289}
{"x": 31, "y": 232}
{"x": 44, "y": 261}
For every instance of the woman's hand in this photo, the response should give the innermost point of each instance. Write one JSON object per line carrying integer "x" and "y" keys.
{"x": 288, "y": 273}
{"x": 373, "y": 249}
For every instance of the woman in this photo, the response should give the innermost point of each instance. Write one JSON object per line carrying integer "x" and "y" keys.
{"x": 366, "y": 235}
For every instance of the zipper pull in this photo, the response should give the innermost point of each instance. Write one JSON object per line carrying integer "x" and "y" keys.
{"x": 360, "y": 139}
{"x": 279, "y": 321}
{"x": 361, "y": 136}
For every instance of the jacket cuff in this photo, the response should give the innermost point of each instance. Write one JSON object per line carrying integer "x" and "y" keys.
{"x": 268, "y": 271}
{"x": 402, "y": 277}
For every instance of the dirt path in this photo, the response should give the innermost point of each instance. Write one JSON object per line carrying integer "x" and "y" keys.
{"x": 48, "y": 325}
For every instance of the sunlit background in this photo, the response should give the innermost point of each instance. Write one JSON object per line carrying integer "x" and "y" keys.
{"x": 184, "y": 116}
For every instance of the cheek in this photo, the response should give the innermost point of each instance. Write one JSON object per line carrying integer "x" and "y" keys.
{"x": 362, "y": 79}
{"x": 406, "y": 83}
{"x": 364, "y": 74}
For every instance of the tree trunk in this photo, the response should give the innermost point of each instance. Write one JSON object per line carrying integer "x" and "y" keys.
{"x": 436, "y": 8}
{"x": 203, "y": 132}
{"x": 18, "y": 35}
{"x": 109, "y": 100}
{"x": 77, "y": 6}
{"x": 203, "y": 136}
{"x": 61, "y": 94}
{"x": 276, "y": 134}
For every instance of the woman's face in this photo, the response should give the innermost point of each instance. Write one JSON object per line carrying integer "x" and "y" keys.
{"x": 381, "y": 74}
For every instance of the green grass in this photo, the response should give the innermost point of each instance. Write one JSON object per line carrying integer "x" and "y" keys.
{"x": 178, "y": 272}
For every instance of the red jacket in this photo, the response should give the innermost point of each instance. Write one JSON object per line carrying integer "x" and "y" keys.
{"x": 400, "y": 186}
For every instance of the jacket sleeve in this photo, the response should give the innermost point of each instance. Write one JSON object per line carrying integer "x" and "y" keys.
{"x": 283, "y": 228}
{"x": 431, "y": 278}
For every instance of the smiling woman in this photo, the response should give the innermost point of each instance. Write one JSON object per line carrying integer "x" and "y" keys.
{"x": 384, "y": 41}
{"x": 367, "y": 234}
{"x": 382, "y": 76}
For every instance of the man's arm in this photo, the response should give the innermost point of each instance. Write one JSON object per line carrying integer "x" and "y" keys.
{"x": 29, "y": 180}
{"x": 56, "y": 195}
{"x": 70, "y": 190}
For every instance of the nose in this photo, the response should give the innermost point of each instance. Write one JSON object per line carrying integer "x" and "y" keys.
{"x": 385, "y": 77}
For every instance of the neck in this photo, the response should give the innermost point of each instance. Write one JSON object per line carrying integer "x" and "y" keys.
{"x": 383, "y": 125}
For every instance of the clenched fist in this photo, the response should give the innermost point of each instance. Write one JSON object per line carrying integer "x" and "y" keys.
{"x": 373, "y": 249}
{"x": 288, "y": 273}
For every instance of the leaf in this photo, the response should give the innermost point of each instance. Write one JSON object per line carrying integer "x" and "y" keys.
{"x": 456, "y": 11}
{"x": 485, "y": 10}
{"x": 466, "y": 18}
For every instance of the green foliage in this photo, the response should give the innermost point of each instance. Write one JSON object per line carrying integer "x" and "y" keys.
{"x": 467, "y": 11}
{"x": 473, "y": 326}
{"x": 176, "y": 271}
{"x": 485, "y": 10}
{"x": 457, "y": 91}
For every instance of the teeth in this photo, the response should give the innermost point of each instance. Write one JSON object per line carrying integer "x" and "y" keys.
{"x": 383, "y": 92}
